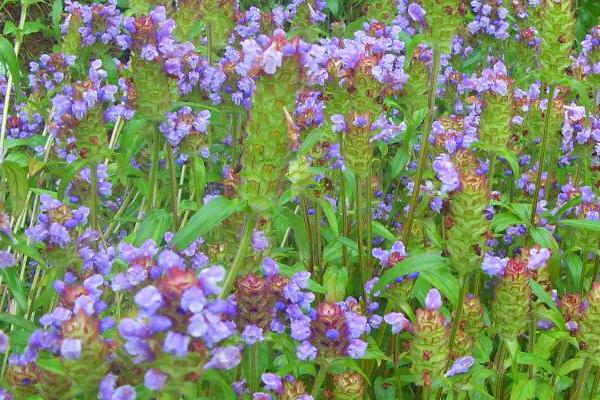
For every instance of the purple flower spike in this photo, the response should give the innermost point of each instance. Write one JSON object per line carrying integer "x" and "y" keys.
{"x": 416, "y": 13}
{"x": 433, "y": 301}
{"x": 460, "y": 366}
{"x": 225, "y": 358}
{"x": 272, "y": 382}
{"x": 154, "y": 379}
{"x": 306, "y": 351}
{"x": 252, "y": 334}
{"x": 71, "y": 348}
{"x": 176, "y": 343}
{"x": 398, "y": 322}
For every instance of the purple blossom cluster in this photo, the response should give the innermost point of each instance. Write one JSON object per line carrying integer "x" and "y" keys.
{"x": 100, "y": 23}
{"x": 185, "y": 130}
{"x": 490, "y": 19}
{"x": 50, "y": 71}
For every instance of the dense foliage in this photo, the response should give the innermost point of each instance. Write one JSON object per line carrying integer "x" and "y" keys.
{"x": 391, "y": 199}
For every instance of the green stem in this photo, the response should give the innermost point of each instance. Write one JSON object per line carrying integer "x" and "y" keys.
{"x": 435, "y": 70}
{"x": 344, "y": 216}
{"x": 426, "y": 394}
{"x": 253, "y": 376}
{"x": 492, "y": 171}
{"x": 318, "y": 241}
{"x": 582, "y": 379}
{"x": 10, "y": 80}
{"x": 324, "y": 367}
{"x": 531, "y": 343}
{"x": 311, "y": 261}
{"x": 538, "y": 179}
{"x": 359, "y": 238}
{"x": 500, "y": 357}
{"x": 595, "y": 382}
{"x": 239, "y": 256}
{"x": 173, "y": 176}
{"x": 586, "y": 260}
{"x": 369, "y": 217}
{"x": 563, "y": 346}
{"x": 152, "y": 179}
{"x": 94, "y": 195}
{"x": 463, "y": 281}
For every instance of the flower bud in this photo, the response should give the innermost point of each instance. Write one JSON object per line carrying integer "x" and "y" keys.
{"x": 348, "y": 386}
{"x": 429, "y": 346}
{"x": 557, "y": 38}
{"x": 511, "y": 307}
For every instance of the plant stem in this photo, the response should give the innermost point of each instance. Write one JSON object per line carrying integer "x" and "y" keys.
{"x": 531, "y": 343}
{"x": 94, "y": 194}
{"x": 538, "y": 179}
{"x": 239, "y": 256}
{"x": 492, "y": 170}
{"x": 311, "y": 261}
{"x": 595, "y": 382}
{"x": 318, "y": 241}
{"x": 369, "y": 217}
{"x": 359, "y": 238}
{"x": 582, "y": 379}
{"x": 343, "y": 204}
{"x": 500, "y": 357}
{"x": 435, "y": 70}
{"x": 560, "y": 356}
{"x": 10, "y": 80}
{"x": 323, "y": 368}
{"x": 153, "y": 172}
{"x": 173, "y": 176}
{"x": 464, "y": 282}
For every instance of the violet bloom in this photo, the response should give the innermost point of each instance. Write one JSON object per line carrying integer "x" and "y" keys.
{"x": 70, "y": 348}
{"x": 538, "y": 258}
{"x": 252, "y": 334}
{"x": 176, "y": 343}
{"x": 446, "y": 173}
{"x": 149, "y": 299}
{"x": 460, "y": 366}
{"x": 4, "y": 341}
{"x": 494, "y": 266}
{"x": 433, "y": 300}
{"x": 126, "y": 392}
{"x": 225, "y": 358}
{"x": 260, "y": 242}
{"x": 417, "y": 13}
{"x": 154, "y": 379}
{"x": 306, "y": 351}
{"x": 6, "y": 259}
{"x": 398, "y": 322}
{"x": 272, "y": 382}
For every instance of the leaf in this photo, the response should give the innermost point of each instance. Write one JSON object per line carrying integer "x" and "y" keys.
{"x": 587, "y": 225}
{"x": 524, "y": 358}
{"x": 542, "y": 295}
{"x": 8, "y": 57}
{"x": 11, "y": 279}
{"x": 398, "y": 163}
{"x": 380, "y": 230}
{"x": 57, "y": 8}
{"x": 68, "y": 175}
{"x": 334, "y": 6}
{"x": 18, "y": 186}
{"x": 206, "y": 218}
{"x": 312, "y": 139}
{"x": 523, "y": 389}
{"x": 511, "y": 158}
{"x": 571, "y": 365}
{"x": 53, "y": 365}
{"x": 17, "y": 321}
{"x": 198, "y": 176}
{"x": 330, "y": 215}
{"x": 431, "y": 261}
{"x": 154, "y": 226}
{"x": 215, "y": 377}
{"x": 300, "y": 235}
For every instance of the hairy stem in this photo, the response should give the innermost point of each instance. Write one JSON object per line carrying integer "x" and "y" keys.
{"x": 239, "y": 256}
{"x": 173, "y": 176}
{"x": 435, "y": 70}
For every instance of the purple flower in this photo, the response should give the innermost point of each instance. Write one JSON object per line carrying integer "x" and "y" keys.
{"x": 538, "y": 258}
{"x": 260, "y": 242}
{"x": 176, "y": 343}
{"x": 398, "y": 322}
{"x": 4, "y": 341}
{"x": 460, "y": 366}
{"x": 416, "y": 13}
{"x": 252, "y": 334}
{"x": 70, "y": 348}
{"x": 272, "y": 382}
{"x": 224, "y": 358}
{"x": 493, "y": 265}
{"x": 6, "y": 259}
{"x": 149, "y": 299}
{"x": 154, "y": 379}
{"x": 306, "y": 351}
{"x": 356, "y": 348}
{"x": 193, "y": 300}
{"x": 126, "y": 392}
{"x": 433, "y": 300}
{"x": 446, "y": 173}
{"x": 300, "y": 329}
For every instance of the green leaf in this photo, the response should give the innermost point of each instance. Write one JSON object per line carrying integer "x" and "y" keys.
{"x": 380, "y": 230}
{"x": 431, "y": 261}
{"x": 53, "y": 365}
{"x": 206, "y": 218}
{"x": 11, "y": 279}
{"x": 57, "y": 8}
{"x": 294, "y": 221}
{"x": 398, "y": 163}
{"x": 571, "y": 365}
{"x": 17, "y": 321}
{"x": 542, "y": 295}
{"x": 8, "y": 57}
{"x": 313, "y": 138}
{"x": 333, "y": 6}
{"x": 154, "y": 226}
{"x": 198, "y": 181}
{"x": 587, "y": 225}
{"x": 330, "y": 215}
{"x": 512, "y": 160}
{"x": 68, "y": 175}
{"x": 535, "y": 360}
{"x": 18, "y": 186}
{"x": 523, "y": 389}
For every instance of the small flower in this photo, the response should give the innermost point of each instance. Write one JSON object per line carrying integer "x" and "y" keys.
{"x": 4, "y": 341}
{"x": 176, "y": 343}
{"x": 460, "y": 366}
{"x": 260, "y": 242}
{"x": 398, "y": 322}
{"x": 493, "y": 265}
{"x": 272, "y": 382}
{"x": 433, "y": 301}
{"x": 225, "y": 358}
{"x": 538, "y": 258}
{"x": 154, "y": 379}
{"x": 306, "y": 351}
{"x": 70, "y": 348}
{"x": 6, "y": 259}
{"x": 252, "y": 334}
